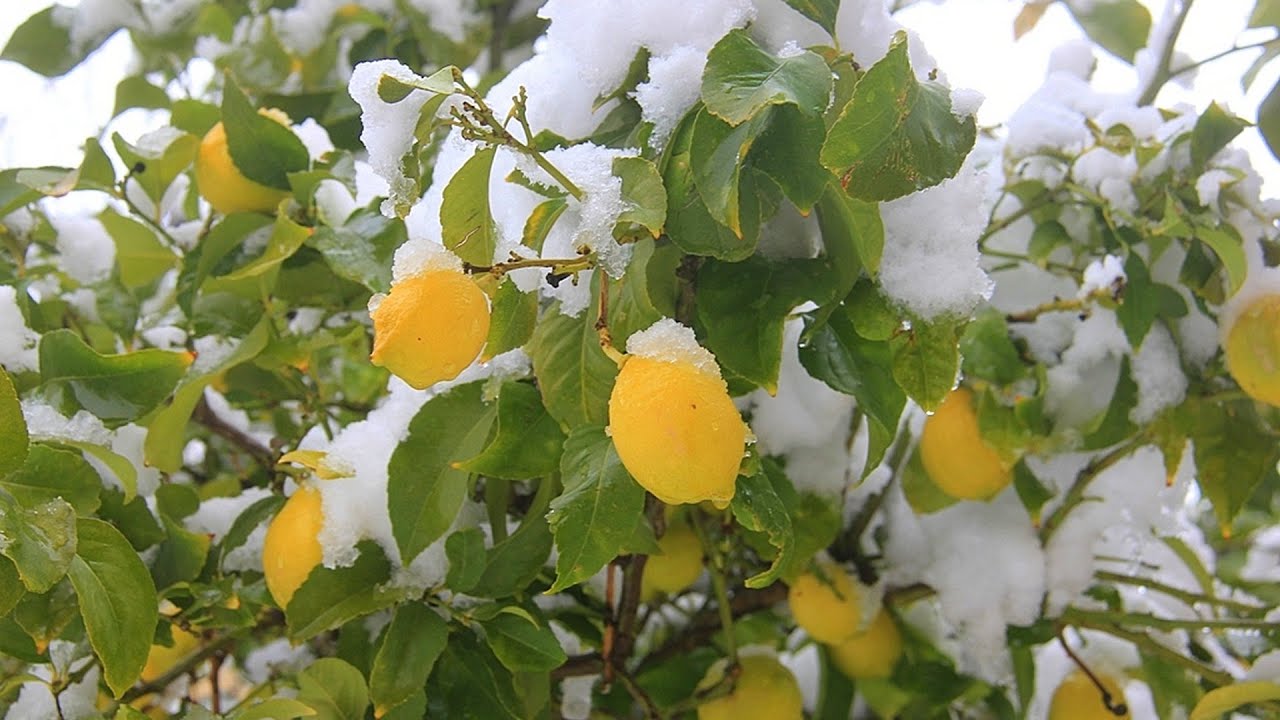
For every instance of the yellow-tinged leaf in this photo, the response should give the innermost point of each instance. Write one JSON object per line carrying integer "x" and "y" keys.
{"x": 1028, "y": 16}
{"x": 317, "y": 461}
{"x": 1216, "y": 703}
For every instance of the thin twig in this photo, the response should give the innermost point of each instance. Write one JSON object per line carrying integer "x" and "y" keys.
{"x": 1118, "y": 709}
{"x": 261, "y": 454}
{"x": 1163, "y": 73}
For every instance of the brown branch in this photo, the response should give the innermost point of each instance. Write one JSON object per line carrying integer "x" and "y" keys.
{"x": 705, "y": 625}
{"x": 261, "y": 454}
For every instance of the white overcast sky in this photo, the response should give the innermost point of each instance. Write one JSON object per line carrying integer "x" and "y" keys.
{"x": 42, "y": 122}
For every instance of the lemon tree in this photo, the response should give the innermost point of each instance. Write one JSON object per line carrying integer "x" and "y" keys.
{"x": 571, "y": 359}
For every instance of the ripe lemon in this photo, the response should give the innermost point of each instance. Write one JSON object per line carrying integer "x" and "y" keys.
{"x": 677, "y": 567}
{"x": 161, "y": 659}
{"x": 431, "y": 327}
{"x": 1077, "y": 698}
{"x": 1253, "y": 349}
{"x": 871, "y": 653}
{"x": 766, "y": 690}
{"x": 829, "y": 610}
{"x": 676, "y": 430}
{"x": 956, "y": 457}
{"x": 222, "y": 183}
{"x": 291, "y": 549}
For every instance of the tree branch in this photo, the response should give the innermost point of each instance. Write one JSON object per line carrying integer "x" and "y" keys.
{"x": 261, "y": 454}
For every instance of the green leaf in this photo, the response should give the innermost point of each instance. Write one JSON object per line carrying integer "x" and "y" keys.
{"x": 466, "y": 553}
{"x": 1115, "y": 425}
{"x": 14, "y": 441}
{"x": 136, "y": 92}
{"x": 362, "y": 248}
{"x": 334, "y": 689}
{"x": 521, "y": 644}
{"x": 470, "y": 683}
{"x": 788, "y": 151}
{"x": 332, "y": 596}
{"x": 822, "y": 12}
{"x": 262, "y": 149}
{"x": 925, "y": 361}
{"x": 716, "y": 156}
{"x": 1266, "y": 13}
{"x": 595, "y": 516}
{"x": 246, "y": 522}
{"x": 689, "y": 224}
{"x": 743, "y": 306}
{"x": 117, "y": 601}
{"x": 466, "y": 220}
{"x": 277, "y": 708}
{"x": 409, "y": 649}
{"x": 96, "y": 170}
{"x": 11, "y": 588}
{"x": 757, "y": 507}
{"x": 42, "y": 43}
{"x": 424, "y": 488}
{"x": 1220, "y": 701}
{"x": 573, "y": 373}
{"x": 50, "y": 473}
{"x": 1214, "y": 130}
{"x": 1141, "y": 303}
{"x": 1119, "y": 26}
{"x": 113, "y": 387}
{"x": 988, "y": 351}
{"x": 852, "y": 236}
{"x": 140, "y": 255}
{"x": 644, "y": 195}
{"x": 40, "y": 540}
{"x": 513, "y": 563}
{"x": 194, "y": 116}
{"x": 631, "y": 307}
{"x": 1233, "y": 455}
{"x": 741, "y": 78}
{"x": 512, "y": 317}
{"x": 837, "y": 355}
{"x": 1031, "y": 491}
{"x": 154, "y": 168}
{"x": 181, "y": 556}
{"x": 897, "y": 135}
{"x": 286, "y": 238}
{"x": 13, "y": 192}
{"x": 1229, "y": 247}
{"x": 528, "y": 441}
{"x": 166, "y": 434}
{"x": 540, "y": 221}
{"x": 226, "y": 236}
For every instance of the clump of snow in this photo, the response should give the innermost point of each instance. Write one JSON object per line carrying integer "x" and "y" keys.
{"x": 18, "y": 343}
{"x": 44, "y": 422}
{"x": 674, "y": 85}
{"x": 1104, "y": 274}
{"x": 1262, "y": 562}
{"x": 669, "y": 341}
{"x": 417, "y": 258}
{"x": 78, "y": 700}
{"x": 388, "y": 127}
{"x": 965, "y": 102}
{"x": 278, "y": 657}
{"x": 211, "y": 352}
{"x": 1075, "y": 58}
{"x": 216, "y": 515}
{"x": 930, "y": 262}
{"x": 1210, "y": 184}
{"x": 1158, "y": 373}
{"x": 87, "y": 252}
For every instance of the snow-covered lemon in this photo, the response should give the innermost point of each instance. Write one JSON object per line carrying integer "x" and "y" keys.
{"x": 956, "y": 457}
{"x": 766, "y": 690}
{"x": 671, "y": 419}
{"x": 291, "y": 549}
{"x": 1253, "y": 349}
{"x": 431, "y": 327}
{"x": 829, "y": 609}
{"x": 1077, "y": 698}
{"x": 871, "y": 653}
{"x": 679, "y": 564}
{"x": 221, "y": 182}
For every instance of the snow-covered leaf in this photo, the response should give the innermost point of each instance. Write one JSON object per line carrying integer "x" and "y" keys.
{"x": 741, "y": 78}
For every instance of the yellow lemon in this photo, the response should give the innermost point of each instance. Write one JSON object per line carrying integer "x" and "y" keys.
{"x": 766, "y": 690}
{"x": 677, "y": 567}
{"x": 431, "y": 327}
{"x": 956, "y": 457}
{"x": 1253, "y": 349}
{"x": 222, "y": 183}
{"x": 871, "y": 653}
{"x": 291, "y": 550}
{"x": 161, "y": 659}
{"x": 676, "y": 430}
{"x": 1077, "y": 698}
{"x": 831, "y": 610}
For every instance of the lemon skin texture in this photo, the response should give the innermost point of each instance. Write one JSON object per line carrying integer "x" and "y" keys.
{"x": 766, "y": 690}
{"x": 431, "y": 327}
{"x": 1077, "y": 698}
{"x": 161, "y": 659}
{"x": 871, "y": 653}
{"x": 830, "y": 613}
{"x": 1253, "y": 350}
{"x": 956, "y": 457}
{"x": 291, "y": 549}
{"x": 676, "y": 430}
{"x": 222, "y": 183}
{"x": 677, "y": 567}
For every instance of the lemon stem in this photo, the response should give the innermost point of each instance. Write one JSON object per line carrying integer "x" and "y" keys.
{"x": 720, "y": 586}
{"x": 1115, "y": 707}
{"x": 602, "y": 324}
